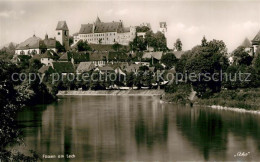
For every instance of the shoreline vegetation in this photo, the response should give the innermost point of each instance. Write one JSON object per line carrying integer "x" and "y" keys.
{"x": 239, "y": 100}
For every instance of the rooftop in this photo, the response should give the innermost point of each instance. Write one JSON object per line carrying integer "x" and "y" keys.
{"x": 63, "y": 67}
{"x": 62, "y": 25}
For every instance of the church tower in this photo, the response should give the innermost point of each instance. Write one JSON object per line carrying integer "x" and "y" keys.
{"x": 163, "y": 27}
{"x": 62, "y": 34}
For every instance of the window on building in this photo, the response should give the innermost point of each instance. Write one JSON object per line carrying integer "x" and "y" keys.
{"x": 58, "y": 33}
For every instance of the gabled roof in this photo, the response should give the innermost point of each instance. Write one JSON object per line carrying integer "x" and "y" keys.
{"x": 132, "y": 68}
{"x": 106, "y": 68}
{"x": 117, "y": 56}
{"x": 48, "y": 54}
{"x": 63, "y": 67}
{"x": 85, "y": 66}
{"x": 98, "y": 56}
{"x": 44, "y": 68}
{"x": 86, "y": 29}
{"x": 50, "y": 43}
{"x": 256, "y": 39}
{"x": 37, "y": 43}
{"x": 75, "y": 34}
{"x": 62, "y": 25}
{"x": 31, "y": 43}
{"x": 156, "y": 55}
{"x": 100, "y": 27}
{"x": 246, "y": 43}
{"x": 107, "y": 27}
{"x": 64, "y": 57}
{"x": 119, "y": 71}
{"x": 178, "y": 54}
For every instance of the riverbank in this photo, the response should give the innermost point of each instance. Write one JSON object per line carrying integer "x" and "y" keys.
{"x": 113, "y": 92}
{"x": 248, "y": 99}
{"x": 240, "y": 100}
{"x": 234, "y": 109}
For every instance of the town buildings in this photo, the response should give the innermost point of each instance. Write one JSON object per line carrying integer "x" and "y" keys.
{"x": 35, "y": 45}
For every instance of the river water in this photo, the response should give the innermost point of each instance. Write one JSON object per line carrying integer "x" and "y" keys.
{"x": 113, "y": 128}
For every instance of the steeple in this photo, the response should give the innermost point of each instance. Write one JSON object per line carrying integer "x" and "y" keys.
{"x": 97, "y": 20}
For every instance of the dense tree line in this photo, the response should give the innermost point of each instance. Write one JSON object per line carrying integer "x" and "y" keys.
{"x": 13, "y": 96}
{"x": 211, "y": 58}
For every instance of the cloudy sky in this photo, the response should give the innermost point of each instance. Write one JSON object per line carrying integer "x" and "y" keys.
{"x": 188, "y": 20}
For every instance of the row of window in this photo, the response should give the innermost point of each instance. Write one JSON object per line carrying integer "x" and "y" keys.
{"x": 95, "y": 39}
{"x": 29, "y": 52}
{"x": 98, "y": 35}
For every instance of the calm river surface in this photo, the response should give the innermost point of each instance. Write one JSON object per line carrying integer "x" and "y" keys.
{"x": 96, "y": 128}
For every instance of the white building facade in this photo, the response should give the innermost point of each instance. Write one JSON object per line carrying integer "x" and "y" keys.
{"x": 105, "y": 33}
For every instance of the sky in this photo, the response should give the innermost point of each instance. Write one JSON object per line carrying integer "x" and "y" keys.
{"x": 190, "y": 20}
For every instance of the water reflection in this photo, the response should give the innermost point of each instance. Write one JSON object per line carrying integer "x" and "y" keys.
{"x": 137, "y": 128}
{"x": 219, "y": 133}
{"x": 204, "y": 129}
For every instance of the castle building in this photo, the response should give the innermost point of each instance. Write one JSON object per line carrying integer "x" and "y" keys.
{"x": 62, "y": 34}
{"x": 105, "y": 33}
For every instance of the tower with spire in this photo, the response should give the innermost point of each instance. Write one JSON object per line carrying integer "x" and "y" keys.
{"x": 163, "y": 27}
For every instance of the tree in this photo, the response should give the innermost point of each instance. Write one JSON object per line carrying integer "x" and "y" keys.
{"x": 156, "y": 40}
{"x": 204, "y": 42}
{"x": 181, "y": 64}
{"x": 83, "y": 46}
{"x": 138, "y": 44}
{"x": 24, "y": 61}
{"x": 143, "y": 68}
{"x": 35, "y": 64}
{"x": 116, "y": 46}
{"x": 130, "y": 78}
{"x": 206, "y": 61}
{"x": 241, "y": 57}
{"x": 59, "y": 47}
{"x": 71, "y": 40}
{"x": 169, "y": 59}
{"x": 142, "y": 29}
{"x": 256, "y": 61}
{"x": 178, "y": 45}
{"x": 10, "y": 103}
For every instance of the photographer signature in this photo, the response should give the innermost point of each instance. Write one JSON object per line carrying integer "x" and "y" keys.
{"x": 241, "y": 154}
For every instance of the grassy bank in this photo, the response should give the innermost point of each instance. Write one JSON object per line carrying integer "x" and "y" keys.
{"x": 248, "y": 99}
{"x": 177, "y": 93}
